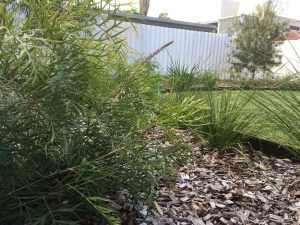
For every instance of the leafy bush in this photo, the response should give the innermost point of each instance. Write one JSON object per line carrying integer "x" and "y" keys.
{"x": 73, "y": 114}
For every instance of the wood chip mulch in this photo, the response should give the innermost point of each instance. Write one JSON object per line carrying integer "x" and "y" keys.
{"x": 228, "y": 189}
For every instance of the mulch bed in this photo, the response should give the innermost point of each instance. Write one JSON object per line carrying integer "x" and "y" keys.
{"x": 227, "y": 189}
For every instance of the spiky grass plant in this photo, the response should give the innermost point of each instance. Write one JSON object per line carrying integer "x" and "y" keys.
{"x": 288, "y": 83}
{"x": 227, "y": 122}
{"x": 73, "y": 114}
{"x": 183, "y": 113}
{"x": 182, "y": 77}
{"x": 224, "y": 120}
{"x": 208, "y": 80}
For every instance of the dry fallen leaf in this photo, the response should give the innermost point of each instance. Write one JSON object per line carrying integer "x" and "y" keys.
{"x": 195, "y": 207}
{"x": 261, "y": 166}
{"x": 207, "y": 217}
{"x": 197, "y": 221}
{"x": 159, "y": 210}
{"x": 184, "y": 199}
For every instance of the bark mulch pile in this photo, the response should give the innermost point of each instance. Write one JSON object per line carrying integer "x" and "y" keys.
{"x": 228, "y": 189}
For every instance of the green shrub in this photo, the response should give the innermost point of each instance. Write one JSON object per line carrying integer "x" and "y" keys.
{"x": 73, "y": 115}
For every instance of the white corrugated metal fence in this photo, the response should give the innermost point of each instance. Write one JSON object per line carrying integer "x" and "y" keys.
{"x": 209, "y": 50}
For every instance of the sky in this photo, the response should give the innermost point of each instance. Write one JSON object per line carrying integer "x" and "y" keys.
{"x": 207, "y": 10}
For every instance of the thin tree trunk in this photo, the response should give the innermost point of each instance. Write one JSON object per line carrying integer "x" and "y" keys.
{"x": 144, "y": 7}
{"x": 253, "y": 72}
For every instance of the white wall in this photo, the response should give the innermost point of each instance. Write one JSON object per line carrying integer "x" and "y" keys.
{"x": 290, "y": 60}
{"x": 229, "y": 8}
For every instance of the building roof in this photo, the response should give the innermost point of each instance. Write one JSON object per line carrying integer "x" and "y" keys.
{"x": 161, "y": 22}
{"x": 237, "y": 16}
{"x": 293, "y": 35}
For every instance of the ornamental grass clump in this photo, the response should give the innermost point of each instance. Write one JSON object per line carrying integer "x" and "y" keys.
{"x": 208, "y": 80}
{"x": 182, "y": 77}
{"x": 183, "y": 112}
{"x": 73, "y": 114}
{"x": 228, "y": 120}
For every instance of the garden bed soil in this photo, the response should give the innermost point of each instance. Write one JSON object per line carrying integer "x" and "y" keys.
{"x": 260, "y": 85}
{"x": 270, "y": 148}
